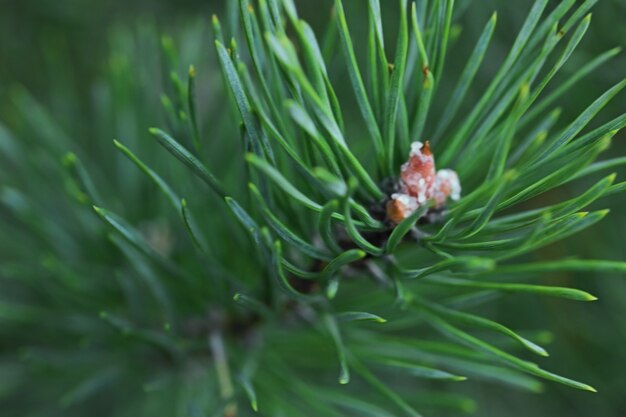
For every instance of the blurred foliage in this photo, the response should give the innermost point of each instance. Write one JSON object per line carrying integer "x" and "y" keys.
{"x": 57, "y": 50}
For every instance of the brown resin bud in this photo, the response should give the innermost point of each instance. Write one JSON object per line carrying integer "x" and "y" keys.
{"x": 418, "y": 173}
{"x": 447, "y": 185}
{"x": 400, "y": 207}
{"x": 421, "y": 184}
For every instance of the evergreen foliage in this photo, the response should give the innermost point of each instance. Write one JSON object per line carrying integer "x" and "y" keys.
{"x": 253, "y": 269}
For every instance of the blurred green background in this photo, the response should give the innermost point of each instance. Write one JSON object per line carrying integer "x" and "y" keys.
{"x": 63, "y": 53}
